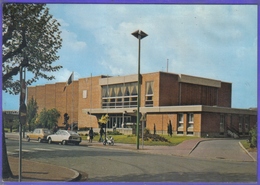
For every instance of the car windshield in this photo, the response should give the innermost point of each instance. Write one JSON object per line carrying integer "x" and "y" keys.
{"x": 72, "y": 132}
{"x": 46, "y": 131}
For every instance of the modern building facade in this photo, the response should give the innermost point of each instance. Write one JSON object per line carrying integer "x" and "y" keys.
{"x": 193, "y": 105}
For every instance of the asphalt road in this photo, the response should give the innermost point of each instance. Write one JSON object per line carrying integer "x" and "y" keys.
{"x": 220, "y": 149}
{"x": 106, "y": 165}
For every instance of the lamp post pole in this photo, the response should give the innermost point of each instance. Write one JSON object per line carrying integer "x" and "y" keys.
{"x": 22, "y": 117}
{"x": 139, "y": 34}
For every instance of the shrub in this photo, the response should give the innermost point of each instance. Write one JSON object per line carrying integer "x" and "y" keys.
{"x": 146, "y": 131}
{"x": 115, "y": 132}
{"x": 253, "y": 137}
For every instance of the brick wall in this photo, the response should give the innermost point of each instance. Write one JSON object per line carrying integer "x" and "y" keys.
{"x": 147, "y": 78}
{"x": 60, "y": 101}
{"x": 192, "y": 94}
{"x": 210, "y": 122}
{"x": 224, "y": 95}
{"x": 92, "y": 100}
{"x": 169, "y": 89}
{"x": 52, "y": 96}
{"x": 161, "y": 121}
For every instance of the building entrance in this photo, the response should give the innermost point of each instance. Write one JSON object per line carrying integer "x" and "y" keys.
{"x": 117, "y": 121}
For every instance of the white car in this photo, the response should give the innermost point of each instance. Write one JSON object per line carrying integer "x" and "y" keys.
{"x": 64, "y": 137}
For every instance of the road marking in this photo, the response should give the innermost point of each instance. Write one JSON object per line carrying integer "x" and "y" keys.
{"x": 60, "y": 149}
{"x": 35, "y": 150}
{"x": 43, "y": 149}
{"x": 24, "y": 150}
{"x": 11, "y": 153}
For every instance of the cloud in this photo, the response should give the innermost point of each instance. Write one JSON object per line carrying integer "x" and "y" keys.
{"x": 212, "y": 41}
{"x": 187, "y": 35}
{"x": 64, "y": 74}
{"x": 71, "y": 42}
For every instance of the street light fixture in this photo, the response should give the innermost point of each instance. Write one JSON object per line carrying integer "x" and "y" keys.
{"x": 139, "y": 34}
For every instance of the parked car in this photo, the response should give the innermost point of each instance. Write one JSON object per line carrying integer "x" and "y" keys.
{"x": 39, "y": 134}
{"x": 64, "y": 137}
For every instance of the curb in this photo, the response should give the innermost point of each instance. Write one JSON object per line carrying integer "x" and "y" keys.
{"x": 197, "y": 145}
{"x": 247, "y": 151}
{"x": 76, "y": 176}
{"x": 194, "y": 147}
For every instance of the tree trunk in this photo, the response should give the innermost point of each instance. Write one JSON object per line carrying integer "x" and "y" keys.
{"x": 6, "y": 170}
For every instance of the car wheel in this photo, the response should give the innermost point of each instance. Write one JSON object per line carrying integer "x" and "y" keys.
{"x": 28, "y": 139}
{"x": 49, "y": 141}
{"x": 64, "y": 142}
{"x": 39, "y": 140}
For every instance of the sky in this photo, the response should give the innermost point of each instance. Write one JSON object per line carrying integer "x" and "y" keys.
{"x": 211, "y": 41}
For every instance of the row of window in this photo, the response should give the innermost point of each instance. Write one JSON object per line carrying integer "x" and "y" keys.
{"x": 190, "y": 120}
{"x": 125, "y": 95}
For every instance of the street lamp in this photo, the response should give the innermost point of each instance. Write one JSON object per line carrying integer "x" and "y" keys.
{"x": 139, "y": 34}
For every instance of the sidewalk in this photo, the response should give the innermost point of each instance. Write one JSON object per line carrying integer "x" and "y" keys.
{"x": 34, "y": 171}
{"x": 183, "y": 149}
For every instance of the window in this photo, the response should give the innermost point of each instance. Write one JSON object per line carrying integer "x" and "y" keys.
{"x": 180, "y": 120}
{"x": 149, "y": 94}
{"x": 247, "y": 125}
{"x": 85, "y": 94}
{"x": 222, "y": 119}
{"x": 222, "y": 124}
{"x": 190, "y": 119}
{"x": 119, "y": 95}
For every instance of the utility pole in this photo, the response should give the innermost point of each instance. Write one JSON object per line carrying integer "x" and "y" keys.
{"x": 22, "y": 116}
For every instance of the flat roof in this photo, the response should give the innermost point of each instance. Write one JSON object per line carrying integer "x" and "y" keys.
{"x": 172, "y": 109}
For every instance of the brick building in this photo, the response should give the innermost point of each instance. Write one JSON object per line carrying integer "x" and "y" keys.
{"x": 194, "y": 106}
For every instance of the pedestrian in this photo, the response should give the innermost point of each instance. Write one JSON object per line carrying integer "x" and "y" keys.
{"x": 170, "y": 128}
{"x": 101, "y": 132}
{"x": 55, "y": 129}
{"x": 91, "y": 134}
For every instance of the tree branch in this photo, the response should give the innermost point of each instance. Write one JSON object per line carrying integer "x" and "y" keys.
{"x": 18, "y": 50}
{"x": 15, "y": 70}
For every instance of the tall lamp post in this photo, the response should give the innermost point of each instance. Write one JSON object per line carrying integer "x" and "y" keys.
{"x": 22, "y": 117}
{"x": 139, "y": 34}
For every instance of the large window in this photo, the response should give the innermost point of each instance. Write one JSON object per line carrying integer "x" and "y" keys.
{"x": 180, "y": 123}
{"x": 120, "y": 95}
{"x": 190, "y": 119}
{"x": 180, "y": 120}
{"x": 240, "y": 125}
{"x": 149, "y": 94}
{"x": 222, "y": 124}
{"x": 246, "y": 125}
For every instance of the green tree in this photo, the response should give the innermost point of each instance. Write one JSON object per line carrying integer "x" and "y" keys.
{"x": 48, "y": 118}
{"x": 42, "y": 119}
{"x": 13, "y": 124}
{"x": 31, "y": 39}
{"x": 253, "y": 137}
{"x": 53, "y": 115}
{"x": 32, "y": 109}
